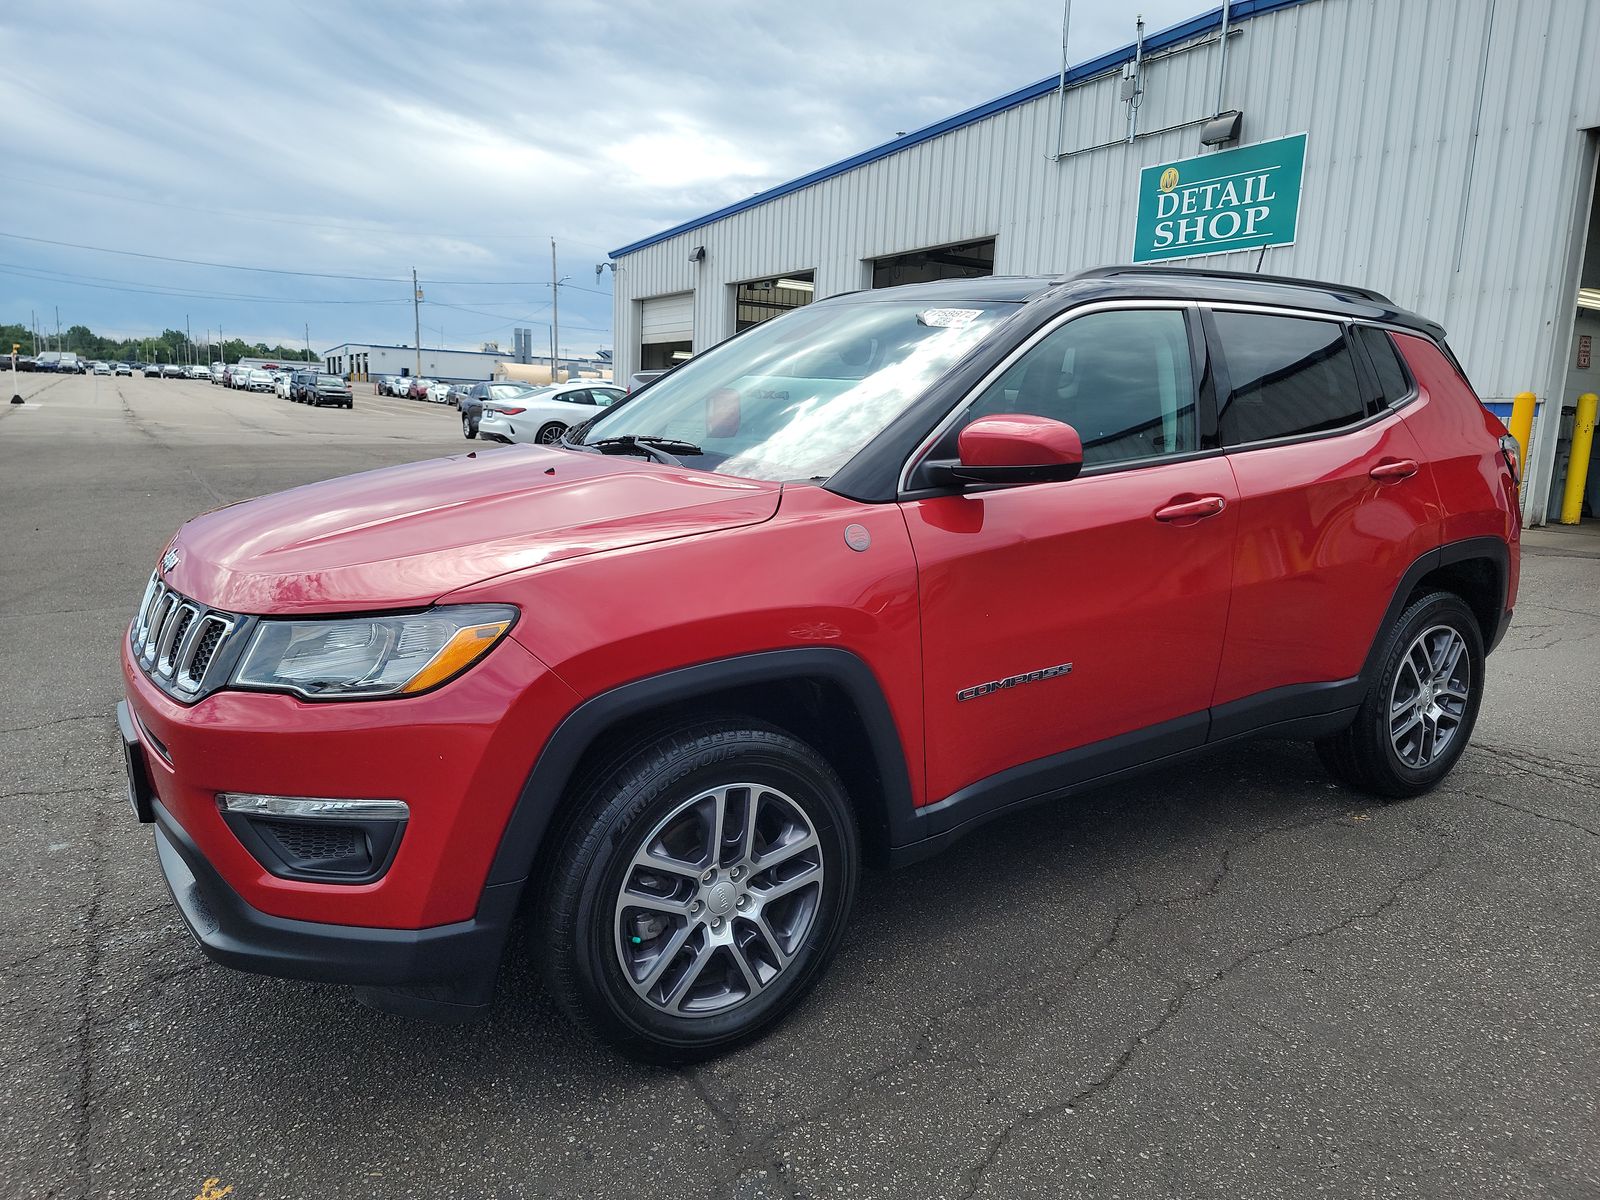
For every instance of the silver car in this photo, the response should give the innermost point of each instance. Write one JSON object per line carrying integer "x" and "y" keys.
{"x": 544, "y": 414}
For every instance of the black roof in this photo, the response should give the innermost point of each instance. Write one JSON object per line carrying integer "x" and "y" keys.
{"x": 1163, "y": 282}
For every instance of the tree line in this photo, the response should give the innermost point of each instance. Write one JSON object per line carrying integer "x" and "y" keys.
{"x": 171, "y": 346}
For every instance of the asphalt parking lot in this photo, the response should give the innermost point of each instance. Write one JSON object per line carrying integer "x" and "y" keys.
{"x": 1229, "y": 980}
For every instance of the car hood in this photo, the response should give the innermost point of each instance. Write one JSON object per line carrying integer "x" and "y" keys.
{"x": 404, "y": 536}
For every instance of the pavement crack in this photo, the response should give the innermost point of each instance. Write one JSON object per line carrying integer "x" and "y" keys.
{"x": 57, "y": 721}
{"x": 1533, "y": 812}
{"x": 83, "y": 1126}
{"x": 1029, "y": 1118}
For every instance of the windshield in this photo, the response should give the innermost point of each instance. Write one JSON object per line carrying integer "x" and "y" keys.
{"x": 514, "y": 391}
{"x": 796, "y": 396}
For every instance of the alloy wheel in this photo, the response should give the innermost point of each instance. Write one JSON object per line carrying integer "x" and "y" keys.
{"x": 718, "y": 900}
{"x": 1428, "y": 700}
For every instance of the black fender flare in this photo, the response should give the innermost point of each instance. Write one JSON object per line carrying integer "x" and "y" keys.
{"x": 1491, "y": 548}
{"x": 552, "y": 771}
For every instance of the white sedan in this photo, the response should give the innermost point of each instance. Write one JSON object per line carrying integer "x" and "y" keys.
{"x": 544, "y": 414}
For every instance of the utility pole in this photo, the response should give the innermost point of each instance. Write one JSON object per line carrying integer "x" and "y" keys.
{"x": 188, "y": 339}
{"x": 308, "y": 341}
{"x": 58, "y": 328}
{"x": 33, "y": 321}
{"x": 555, "y": 314}
{"x": 222, "y": 346}
{"x": 416, "y": 318}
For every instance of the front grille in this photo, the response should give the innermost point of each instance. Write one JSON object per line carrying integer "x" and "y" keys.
{"x": 180, "y": 643}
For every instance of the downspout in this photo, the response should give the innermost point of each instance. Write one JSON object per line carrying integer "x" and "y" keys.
{"x": 1061, "y": 88}
{"x": 1222, "y": 62}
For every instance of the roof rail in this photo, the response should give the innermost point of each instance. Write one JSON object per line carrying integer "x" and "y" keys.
{"x": 1345, "y": 289}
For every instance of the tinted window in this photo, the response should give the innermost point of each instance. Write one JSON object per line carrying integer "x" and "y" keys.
{"x": 1289, "y": 377}
{"x": 1123, "y": 380}
{"x": 1393, "y": 383}
{"x": 605, "y": 396}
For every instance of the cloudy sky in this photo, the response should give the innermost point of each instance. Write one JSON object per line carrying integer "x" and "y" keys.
{"x": 322, "y": 141}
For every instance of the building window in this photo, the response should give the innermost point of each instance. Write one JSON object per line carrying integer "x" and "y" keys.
{"x": 967, "y": 260}
{"x": 762, "y": 299}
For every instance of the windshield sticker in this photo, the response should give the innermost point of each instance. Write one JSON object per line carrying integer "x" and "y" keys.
{"x": 948, "y": 318}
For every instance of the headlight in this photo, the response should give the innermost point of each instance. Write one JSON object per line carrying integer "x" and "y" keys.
{"x": 365, "y": 657}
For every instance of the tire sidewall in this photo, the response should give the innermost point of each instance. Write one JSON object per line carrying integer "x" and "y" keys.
{"x": 634, "y": 812}
{"x": 1441, "y": 608}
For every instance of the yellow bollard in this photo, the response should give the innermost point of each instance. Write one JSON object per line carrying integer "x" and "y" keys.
{"x": 1521, "y": 428}
{"x": 1578, "y": 463}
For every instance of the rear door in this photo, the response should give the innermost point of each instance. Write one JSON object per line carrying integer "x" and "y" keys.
{"x": 1334, "y": 506}
{"x": 1058, "y": 615}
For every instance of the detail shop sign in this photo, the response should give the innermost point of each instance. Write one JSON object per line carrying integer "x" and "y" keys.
{"x": 1232, "y": 200}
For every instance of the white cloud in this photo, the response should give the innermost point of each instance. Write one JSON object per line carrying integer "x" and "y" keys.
{"x": 360, "y": 137}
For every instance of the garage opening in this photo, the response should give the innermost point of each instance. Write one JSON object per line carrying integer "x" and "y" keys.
{"x": 762, "y": 299}
{"x": 666, "y": 331}
{"x": 966, "y": 260}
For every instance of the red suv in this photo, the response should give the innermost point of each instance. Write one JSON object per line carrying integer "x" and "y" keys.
{"x": 847, "y": 585}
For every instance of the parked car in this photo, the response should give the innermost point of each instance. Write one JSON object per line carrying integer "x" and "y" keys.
{"x": 198, "y": 371}
{"x": 859, "y": 580}
{"x": 329, "y": 389}
{"x": 417, "y": 388}
{"x": 439, "y": 393}
{"x": 458, "y": 392}
{"x": 395, "y": 385}
{"x": 122, "y": 368}
{"x": 218, "y": 372}
{"x": 283, "y": 384}
{"x": 544, "y": 417}
{"x": 101, "y": 368}
{"x": 471, "y": 402}
{"x": 258, "y": 380}
{"x": 639, "y": 378}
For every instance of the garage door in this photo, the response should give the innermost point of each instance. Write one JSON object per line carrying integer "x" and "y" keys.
{"x": 667, "y": 319}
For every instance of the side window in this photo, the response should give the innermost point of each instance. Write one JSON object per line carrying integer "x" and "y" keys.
{"x": 605, "y": 397}
{"x": 1289, "y": 376}
{"x": 581, "y": 396}
{"x": 1394, "y": 384}
{"x": 1123, "y": 380}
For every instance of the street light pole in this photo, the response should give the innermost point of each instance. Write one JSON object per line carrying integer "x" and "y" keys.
{"x": 416, "y": 318}
{"x": 555, "y": 315}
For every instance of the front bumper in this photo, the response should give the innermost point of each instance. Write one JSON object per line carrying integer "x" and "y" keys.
{"x": 446, "y": 971}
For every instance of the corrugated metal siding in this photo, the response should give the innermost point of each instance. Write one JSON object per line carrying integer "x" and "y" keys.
{"x": 1386, "y": 91}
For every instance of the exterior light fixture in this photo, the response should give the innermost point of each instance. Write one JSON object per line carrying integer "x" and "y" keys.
{"x": 1221, "y": 129}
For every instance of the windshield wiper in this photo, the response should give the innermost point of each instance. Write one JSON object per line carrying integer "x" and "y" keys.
{"x": 660, "y": 449}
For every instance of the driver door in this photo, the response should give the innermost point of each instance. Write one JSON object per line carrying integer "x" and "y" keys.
{"x": 1058, "y": 615}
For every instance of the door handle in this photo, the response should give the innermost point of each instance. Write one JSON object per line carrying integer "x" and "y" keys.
{"x": 1394, "y": 470}
{"x": 1191, "y": 510}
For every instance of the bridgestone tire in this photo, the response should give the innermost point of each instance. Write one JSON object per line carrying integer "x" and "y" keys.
{"x": 1364, "y": 756}
{"x": 622, "y": 801}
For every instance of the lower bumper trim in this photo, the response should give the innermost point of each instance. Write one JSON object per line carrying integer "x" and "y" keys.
{"x": 455, "y": 964}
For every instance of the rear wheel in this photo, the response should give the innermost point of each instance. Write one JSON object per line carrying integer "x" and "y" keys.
{"x": 467, "y": 431}
{"x": 1418, "y": 716}
{"x": 551, "y": 433}
{"x": 700, "y": 889}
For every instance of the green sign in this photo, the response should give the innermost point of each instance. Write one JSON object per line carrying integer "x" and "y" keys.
{"x": 1232, "y": 200}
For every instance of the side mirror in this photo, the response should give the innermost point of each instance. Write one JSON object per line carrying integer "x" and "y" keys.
{"x": 1012, "y": 448}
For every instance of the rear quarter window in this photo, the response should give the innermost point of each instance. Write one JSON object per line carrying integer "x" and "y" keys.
{"x": 1394, "y": 383}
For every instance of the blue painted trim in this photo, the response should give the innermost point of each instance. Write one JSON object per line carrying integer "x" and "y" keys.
{"x": 1242, "y": 11}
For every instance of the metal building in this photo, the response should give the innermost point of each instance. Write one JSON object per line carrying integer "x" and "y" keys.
{"x": 1448, "y": 161}
{"x": 367, "y": 361}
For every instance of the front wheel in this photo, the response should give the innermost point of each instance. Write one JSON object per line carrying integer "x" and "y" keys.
{"x": 550, "y": 434}
{"x": 701, "y": 887}
{"x": 1419, "y": 713}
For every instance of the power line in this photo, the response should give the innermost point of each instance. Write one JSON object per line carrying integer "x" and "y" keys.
{"x": 195, "y": 262}
{"x": 180, "y": 295}
{"x": 247, "y": 215}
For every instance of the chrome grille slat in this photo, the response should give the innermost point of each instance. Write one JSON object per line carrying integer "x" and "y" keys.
{"x": 177, "y": 641}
